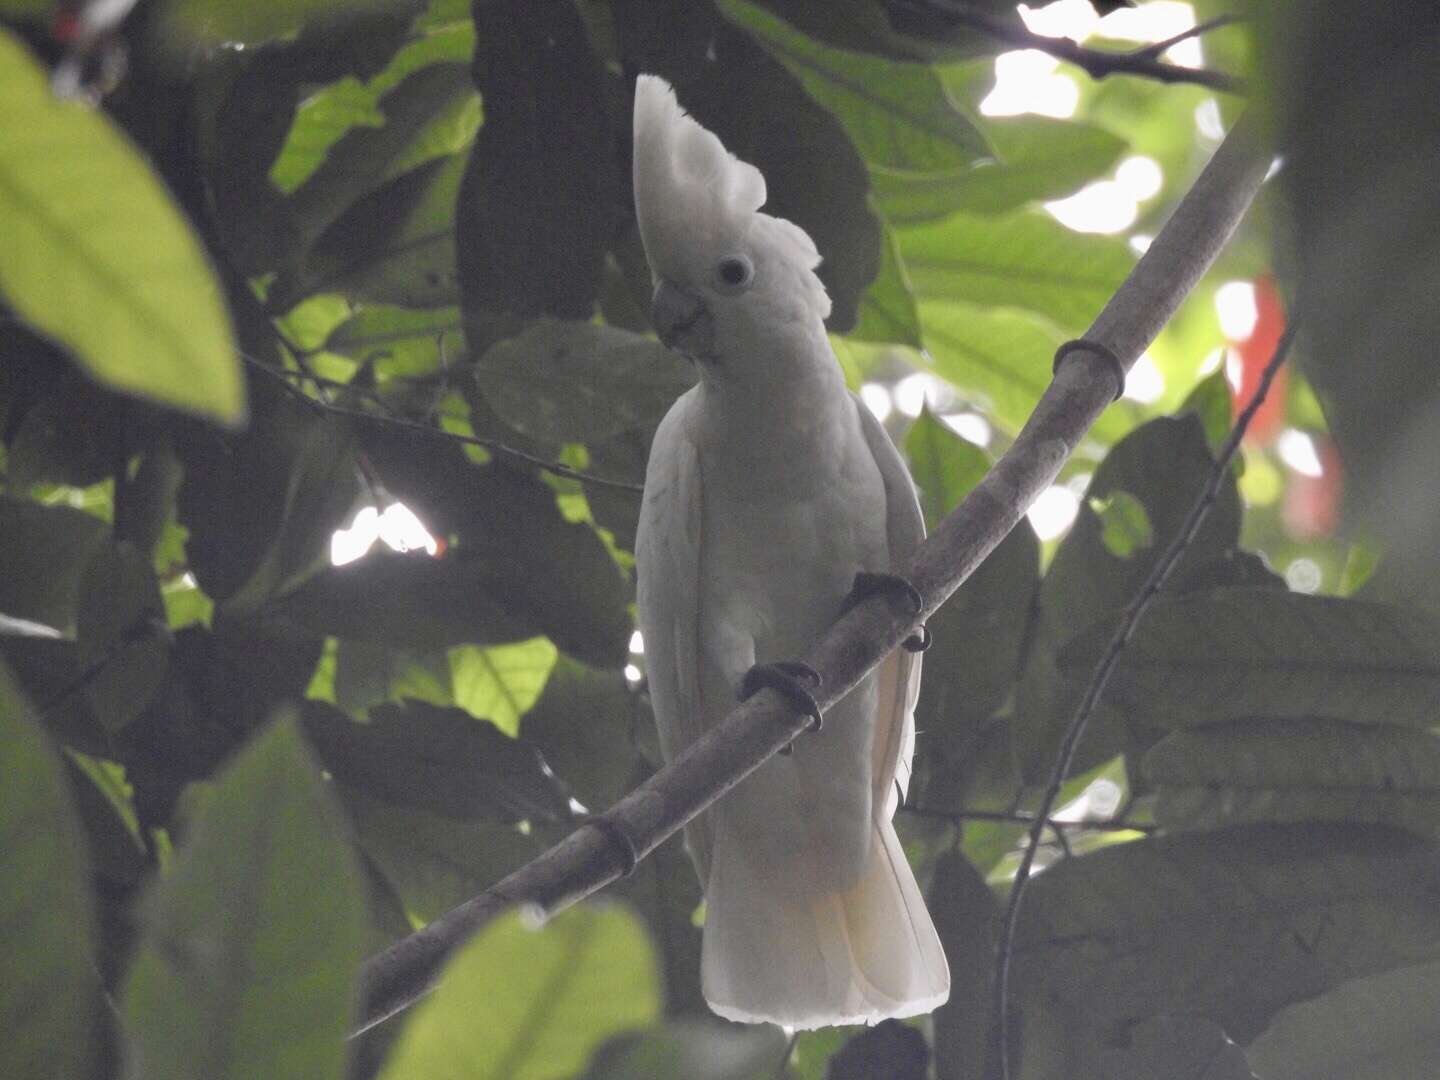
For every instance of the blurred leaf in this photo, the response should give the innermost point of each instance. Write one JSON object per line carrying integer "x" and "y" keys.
{"x": 665, "y": 892}
{"x": 1350, "y": 100}
{"x": 43, "y": 553}
{"x": 1234, "y": 568}
{"x": 431, "y": 862}
{"x": 123, "y": 637}
{"x": 501, "y": 683}
{"x": 49, "y": 997}
{"x": 896, "y": 112}
{"x": 1024, "y": 260}
{"x": 1158, "y": 1048}
{"x": 1231, "y": 926}
{"x": 584, "y": 726}
{"x": 693, "y": 1049}
{"x": 216, "y": 21}
{"x": 441, "y": 760}
{"x": 1378, "y": 1028}
{"x": 1164, "y": 465}
{"x": 1282, "y": 771}
{"x": 1035, "y": 158}
{"x": 763, "y": 115}
{"x": 1124, "y": 526}
{"x": 406, "y": 600}
{"x": 887, "y": 307}
{"x": 944, "y": 466}
{"x": 554, "y": 571}
{"x": 563, "y": 382}
{"x": 155, "y": 325}
{"x": 541, "y": 190}
{"x": 1211, "y": 401}
{"x": 518, "y": 1003}
{"x": 1229, "y": 653}
{"x": 967, "y": 918}
{"x": 399, "y": 341}
{"x": 43, "y": 447}
{"x": 888, "y": 1051}
{"x": 251, "y": 942}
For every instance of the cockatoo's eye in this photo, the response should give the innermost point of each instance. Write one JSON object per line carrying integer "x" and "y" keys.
{"x": 734, "y": 273}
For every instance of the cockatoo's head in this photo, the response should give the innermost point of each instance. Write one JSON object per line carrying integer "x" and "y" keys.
{"x": 728, "y": 279}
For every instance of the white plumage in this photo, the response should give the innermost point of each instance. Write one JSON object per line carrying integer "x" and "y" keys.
{"x": 769, "y": 486}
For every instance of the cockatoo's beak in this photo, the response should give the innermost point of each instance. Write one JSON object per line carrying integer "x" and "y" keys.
{"x": 682, "y": 320}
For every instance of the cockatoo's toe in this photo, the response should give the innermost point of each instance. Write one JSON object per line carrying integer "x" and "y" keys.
{"x": 784, "y": 676}
{"x": 894, "y": 587}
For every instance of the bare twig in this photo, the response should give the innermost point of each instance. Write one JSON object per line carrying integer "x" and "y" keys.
{"x": 939, "y": 18}
{"x": 1084, "y": 385}
{"x": 1154, "y": 582}
{"x": 1016, "y": 817}
{"x": 494, "y": 445}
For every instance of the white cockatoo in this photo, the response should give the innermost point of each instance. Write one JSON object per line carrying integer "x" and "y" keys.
{"x": 769, "y": 487}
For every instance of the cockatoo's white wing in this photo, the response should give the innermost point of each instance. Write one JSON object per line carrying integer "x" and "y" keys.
{"x": 899, "y": 673}
{"x": 667, "y": 553}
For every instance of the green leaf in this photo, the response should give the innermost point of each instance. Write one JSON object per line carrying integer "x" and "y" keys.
{"x": 216, "y": 21}
{"x": 583, "y": 726}
{"x": 967, "y": 918}
{"x": 998, "y": 360}
{"x": 1378, "y": 1028}
{"x": 763, "y": 115}
{"x": 1035, "y": 158}
{"x": 408, "y": 601}
{"x": 1231, "y": 925}
{"x": 87, "y": 227}
{"x": 887, "y": 306}
{"x": 896, "y": 113}
{"x": 399, "y": 341}
{"x": 1296, "y": 770}
{"x": 1230, "y": 653}
{"x": 693, "y": 1049}
{"x": 49, "y": 997}
{"x": 1124, "y": 525}
{"x": 562, "y": 382}
{"x": 518, "y": 1003}
{"x": 440, "y": 760}
{"x": 1211, "y": 401}
{"x": 1024, "y": 260}
{"x": 501, "y": 683}
{"x": 249, "y": 946}
{"x": 541, "y": 191}
{"x": 123, "y": 637}
{"x": 43, "y": 553}
{"x": 943, "y": 465}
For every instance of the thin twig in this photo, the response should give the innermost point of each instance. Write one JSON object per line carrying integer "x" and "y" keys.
{"x": 493, "y": 445}
{"x": 589, "y": 859}
{"x": 1159, "y": 48}
{"x": 1016, "y": 817}
{"x": 941, "y": 17}
{"x": 1154, "y": 582}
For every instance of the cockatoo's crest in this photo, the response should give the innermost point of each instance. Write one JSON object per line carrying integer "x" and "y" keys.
{"x": 697, "y": 202}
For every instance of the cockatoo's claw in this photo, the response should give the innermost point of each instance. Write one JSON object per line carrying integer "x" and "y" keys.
{"x": 894, "y": 586}
{"x": 784, "y": 676}
{"x": 624, "y": 844}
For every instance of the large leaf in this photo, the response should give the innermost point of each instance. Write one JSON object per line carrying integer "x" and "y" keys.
{"x": 500, "y": 683}
{"x": 1164, "y": 466}
{"x": 887, "y": 306}
{"x": 541, "y": 192}
{"x": 87, "y": 228}
{"x": 410, "y": 600}
{"x": 967, "y": 918}
{"x": 216, "y": 21}
{"x": 519, "y": 1003}
{"x": 1378, "y": 1028}
{"x": 1231, "y": 925}
{"x": 1158, "y": 1048}
{"x": 1351, "y": 98}
{"x": 48, "y": 990}
{"x": 43, "y": 553}
{"x": 763, "y": 115}
{"x": 897, "y": 113}
{"x": 1296, "y": 770}
{"x": 1024, "y": 260}
{"x": 583, "y": 725}
{"x": 694, "y": 1049}
{"x": 1229, "y": 653}
{"x": 441, "y": 760}
{"x": 561, "y": 382}
{"x": 124, "y": 642}
{"x": 250, "y": 943}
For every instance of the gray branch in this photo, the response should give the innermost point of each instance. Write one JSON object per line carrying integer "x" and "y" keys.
{"x": 591, "y": 858}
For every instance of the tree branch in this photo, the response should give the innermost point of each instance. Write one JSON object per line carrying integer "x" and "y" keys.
{"x": 1154, "y": 582}
{"x": 1084, "y": 385}
{"x": 939, "y": 20}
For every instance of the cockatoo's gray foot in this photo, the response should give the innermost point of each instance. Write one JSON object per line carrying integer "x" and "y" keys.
{"x": 785, "y": 677}
{"x": 893, "y": 587}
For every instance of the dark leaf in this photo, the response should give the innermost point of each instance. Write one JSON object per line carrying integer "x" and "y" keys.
{"x": 43, "y": 553}
{"x": 440, "y": 760}
{"x": 1231, "y": 925}
{"x": 1236, "y": 652}
{"x": 967, "y": 918}
{"x": 123, "y": 640}
{"x": 887, "y": 306}
{"x": 693, "y": 1049}
{"x": 541, "y": 194}
{"x": 763, "y": 115}
{"x": 888, "y": 1051}
{"x": 48, "y": 991}
{"x": 584, "y": 724}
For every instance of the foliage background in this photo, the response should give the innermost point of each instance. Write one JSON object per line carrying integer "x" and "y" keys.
{"x": 231, "y": 768}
